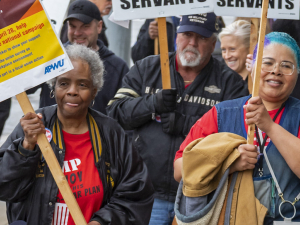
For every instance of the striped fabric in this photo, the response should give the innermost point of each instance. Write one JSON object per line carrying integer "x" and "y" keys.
{"x": 95, "y": 138}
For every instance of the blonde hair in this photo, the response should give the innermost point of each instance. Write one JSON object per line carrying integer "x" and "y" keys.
{"x": 239, "y": 28}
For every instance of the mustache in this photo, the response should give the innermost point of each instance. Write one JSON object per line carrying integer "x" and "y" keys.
{"x": 191, "y": 49}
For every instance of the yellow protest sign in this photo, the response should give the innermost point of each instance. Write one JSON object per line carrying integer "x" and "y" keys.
{"x": 22, "y": 45}
{"x": 30, "y": 52}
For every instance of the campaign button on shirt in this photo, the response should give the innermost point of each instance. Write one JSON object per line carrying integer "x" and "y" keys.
{"x": 48, "y": 134}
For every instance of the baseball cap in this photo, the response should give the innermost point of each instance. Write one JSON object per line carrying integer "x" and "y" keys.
{"x": 83, "y": 10}
{"x": 204, "y": 24}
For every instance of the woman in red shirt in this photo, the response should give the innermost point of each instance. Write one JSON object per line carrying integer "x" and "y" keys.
{"x": 108, "y": 179}
{"x": 277, "y": 119}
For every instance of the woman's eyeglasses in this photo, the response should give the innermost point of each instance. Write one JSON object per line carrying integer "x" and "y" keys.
{"x": 269, "y": 65}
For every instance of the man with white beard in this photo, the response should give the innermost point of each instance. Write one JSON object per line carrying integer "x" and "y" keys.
{"x": 162, "y": 118}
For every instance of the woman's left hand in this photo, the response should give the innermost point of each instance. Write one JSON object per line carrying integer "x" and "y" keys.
{"x": 258, "y": 114}
{"x": 249, "y": 62}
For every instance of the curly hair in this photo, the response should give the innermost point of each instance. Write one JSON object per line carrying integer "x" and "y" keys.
{"x": 89, "y": 56}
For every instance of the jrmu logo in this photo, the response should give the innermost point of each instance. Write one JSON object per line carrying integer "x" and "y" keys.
{"x": 54, "y": 66}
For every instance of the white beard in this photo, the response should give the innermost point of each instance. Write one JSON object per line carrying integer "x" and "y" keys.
{"x": 190, "y": 61}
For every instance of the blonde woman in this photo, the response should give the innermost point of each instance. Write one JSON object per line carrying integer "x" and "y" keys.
{"x": 235, "y": 42}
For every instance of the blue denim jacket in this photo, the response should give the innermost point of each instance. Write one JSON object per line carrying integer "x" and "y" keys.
{"x": 231, "y": 119}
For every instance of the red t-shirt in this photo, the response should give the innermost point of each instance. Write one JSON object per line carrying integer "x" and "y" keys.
{"x": 208, "y": 124}
{"x": 83, "y": 178}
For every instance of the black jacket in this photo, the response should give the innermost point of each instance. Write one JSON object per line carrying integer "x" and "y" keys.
{"x": 144, "y": 45}
{"x": 30, "y": 191}
{"x": 133, "y": 108}
{"x": 4, "y": 113}
{"x": 115, "y": 70}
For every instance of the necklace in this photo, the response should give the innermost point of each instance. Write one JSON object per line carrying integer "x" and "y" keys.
{"x": 262, "y": 142}
{"x": 188, "y": 81}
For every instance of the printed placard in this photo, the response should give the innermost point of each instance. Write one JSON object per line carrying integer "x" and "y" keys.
{"x": 56, "y": 14}
{"x": 279, "y": 9}
{"x": 30, "y": 51}
{"x": 144, "y": 9}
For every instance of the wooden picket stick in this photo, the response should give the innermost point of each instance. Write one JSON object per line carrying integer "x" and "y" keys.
{"x": 174, "y": 222}
{"x": 253, "y": 42}
{"x": 156, "y": 46}
{"x": 164, "y": 53}
{"x": 253, "y": 34}
{"x": 54, "y": 166}
{"x": 260, "y": 48}
{"x": 156, "y": 51}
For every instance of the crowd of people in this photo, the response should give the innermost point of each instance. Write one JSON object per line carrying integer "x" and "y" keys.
{"x": 135, "y": 153}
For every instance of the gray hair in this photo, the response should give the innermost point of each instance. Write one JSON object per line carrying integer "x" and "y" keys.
{"x": 239, "y": 28}
{"x": 92, "y": 58}
{"x": 214, "y": 36}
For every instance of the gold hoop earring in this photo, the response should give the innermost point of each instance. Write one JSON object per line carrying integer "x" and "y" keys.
{"x": 52, "y": 94}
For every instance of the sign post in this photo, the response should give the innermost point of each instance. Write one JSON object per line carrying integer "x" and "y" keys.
{"x": 260, "y": 48}
{"x": 156, "y": 44}
{"x": 164, "y": 53}
{"x": 31, "y": 54}
{"x": 253, "y": 42}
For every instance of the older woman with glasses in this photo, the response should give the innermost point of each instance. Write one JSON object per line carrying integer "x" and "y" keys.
{"x": 275, "y": 155}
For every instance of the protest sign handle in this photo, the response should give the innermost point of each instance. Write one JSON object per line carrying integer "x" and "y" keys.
{"x": 253, "y": 34}
{"x": 260, "y": 48}
{"x": 156, "y": 51}
{"x": 164, "y": 53}
{"x": 253, "y": 42}
{"x": 54, "y": 166}
{"x": 174, "y": 221}
{"x": 156, "y": 46}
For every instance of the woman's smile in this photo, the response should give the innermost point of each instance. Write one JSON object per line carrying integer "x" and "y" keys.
{"x": 274, "y": 83}
{"x": 72, "y": 104}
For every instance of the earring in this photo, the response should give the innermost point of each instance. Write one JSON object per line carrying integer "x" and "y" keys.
{"x": 93, "y": 102}
{"x": 52, "y": 94}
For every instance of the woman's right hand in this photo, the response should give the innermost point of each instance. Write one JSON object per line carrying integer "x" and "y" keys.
{"x": 32, "y": 126}
{"x": 247, "y": 159}
{"x": 249, "y": 62}
{"x": 153, "y": 30}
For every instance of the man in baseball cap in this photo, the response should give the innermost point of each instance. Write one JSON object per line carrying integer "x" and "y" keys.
{"x": 202, "y": 28}
{"x": 196, "y": 40}
{"x": 161, "y": 119}
{"x": 84, "y": 23}
{"x": 104, "y": 7}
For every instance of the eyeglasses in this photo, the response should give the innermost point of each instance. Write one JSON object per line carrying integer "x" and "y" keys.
{"x": 269, "y": 65}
